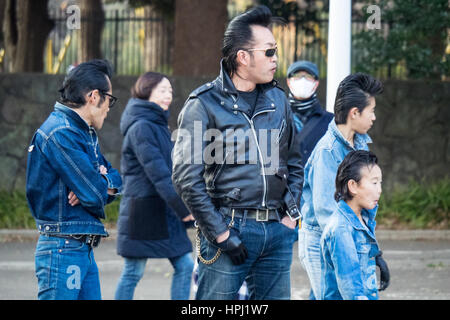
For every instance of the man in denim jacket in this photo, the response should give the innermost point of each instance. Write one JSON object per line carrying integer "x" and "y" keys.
{"x": 354, "y": 111}
{"x": 69, "y": 182}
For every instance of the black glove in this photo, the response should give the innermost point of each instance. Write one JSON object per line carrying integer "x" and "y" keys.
{"x": 234, "y": 247}
{"x": 384, "y": 271}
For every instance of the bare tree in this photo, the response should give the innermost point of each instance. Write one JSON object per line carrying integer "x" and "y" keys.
{"x": 26, "y": 26}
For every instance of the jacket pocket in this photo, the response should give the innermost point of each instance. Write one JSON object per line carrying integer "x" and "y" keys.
{"x": 147, "y": 219}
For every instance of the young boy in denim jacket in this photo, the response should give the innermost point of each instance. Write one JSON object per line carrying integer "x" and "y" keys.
{"x": 348, "y": 242}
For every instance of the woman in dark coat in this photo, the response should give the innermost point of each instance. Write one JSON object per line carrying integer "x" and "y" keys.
{"x": 152, "y": 216}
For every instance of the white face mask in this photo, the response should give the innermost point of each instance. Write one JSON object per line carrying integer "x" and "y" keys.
{"x": 302, "y": 88}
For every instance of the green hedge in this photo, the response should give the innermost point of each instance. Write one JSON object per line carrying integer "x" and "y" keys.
{"x": 15, "y": 214}
{"x": 419, "y": 205}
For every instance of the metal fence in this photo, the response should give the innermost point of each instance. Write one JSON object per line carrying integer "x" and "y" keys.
{"x": 136, "y": 41}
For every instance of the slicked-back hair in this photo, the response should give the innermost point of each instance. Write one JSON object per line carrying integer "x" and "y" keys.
{"x": 350, "y": 169}
{"x": 238, "y": 34}
{"x": 355, "y": 91}
{"x": 83, "y": 78}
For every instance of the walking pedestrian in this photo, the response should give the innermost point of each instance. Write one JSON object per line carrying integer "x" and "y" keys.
{"x": 236, "y": 193}
{"x": 310, "y": 118}
{"x": 69, "y": 182}
{"x": 354, "y": 114}
{"x": 348, "y": 240}
{"x": 152, "y": 215}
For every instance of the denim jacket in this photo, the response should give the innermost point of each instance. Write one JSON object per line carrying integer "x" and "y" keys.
{"x": 317, "y": 202}
{"x": 64, "y": 156}
{"x": 348, "y": 250}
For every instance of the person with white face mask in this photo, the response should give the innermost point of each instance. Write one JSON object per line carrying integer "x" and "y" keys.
{"x": 309, "y": 116}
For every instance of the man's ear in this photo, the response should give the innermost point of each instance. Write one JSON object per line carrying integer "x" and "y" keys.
{"x": 242, "y": 57}
{"x": 92, "y": 97}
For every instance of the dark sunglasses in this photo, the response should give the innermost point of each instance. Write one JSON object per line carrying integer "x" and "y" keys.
{"x": 268, "y": 52}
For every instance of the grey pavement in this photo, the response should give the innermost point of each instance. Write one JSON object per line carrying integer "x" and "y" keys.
{"x": 419, "y": 261}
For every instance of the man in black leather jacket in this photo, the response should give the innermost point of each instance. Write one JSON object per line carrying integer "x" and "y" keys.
{"x": 237, "y": 167}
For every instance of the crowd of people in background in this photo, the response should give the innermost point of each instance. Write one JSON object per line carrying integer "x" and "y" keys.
{"x": 322, "y": 190}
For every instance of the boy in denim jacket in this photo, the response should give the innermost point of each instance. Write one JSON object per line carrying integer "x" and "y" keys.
{"x": 354, "y": 114}
{"x": 348, "y": 242}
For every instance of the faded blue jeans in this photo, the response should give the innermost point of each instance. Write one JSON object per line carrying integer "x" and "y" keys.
{"x": 309, "y": 254}
{"x": 134, "y": 270}
{"x": 66, "y": 270}
{"x": 266, "y": 270}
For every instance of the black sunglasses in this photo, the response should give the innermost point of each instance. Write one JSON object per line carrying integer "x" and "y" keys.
{"x": 268, "y": 52}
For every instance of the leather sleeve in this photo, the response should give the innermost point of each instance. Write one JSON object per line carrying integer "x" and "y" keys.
{"x": 189, "y": 167}
{"x": 296, "y": 173}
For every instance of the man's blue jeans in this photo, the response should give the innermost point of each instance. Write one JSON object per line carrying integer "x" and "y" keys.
{"x": 266, "y": 270}
{"x": 134, "y": 270}
{"x": 66, "y": 270}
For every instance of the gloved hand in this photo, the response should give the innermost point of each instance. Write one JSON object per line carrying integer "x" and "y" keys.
{"x": 384, "y": 271}
{"x": 234, "y": 247}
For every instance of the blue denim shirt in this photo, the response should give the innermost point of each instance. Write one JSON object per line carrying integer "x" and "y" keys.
{"x": 317, "y": 202}
{"x": 348, "y": 250}
{"x": 64, "y": 156}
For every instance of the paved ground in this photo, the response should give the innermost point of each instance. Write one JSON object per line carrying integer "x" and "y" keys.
{"x": 419, "y": 264}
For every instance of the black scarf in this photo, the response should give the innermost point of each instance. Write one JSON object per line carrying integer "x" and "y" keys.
{"x": 303, "y": 108}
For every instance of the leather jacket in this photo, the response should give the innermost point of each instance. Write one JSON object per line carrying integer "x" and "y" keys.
{"x": 257, "y": 181}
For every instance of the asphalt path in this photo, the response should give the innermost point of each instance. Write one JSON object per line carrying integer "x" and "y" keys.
{"x": 420, "y": 270}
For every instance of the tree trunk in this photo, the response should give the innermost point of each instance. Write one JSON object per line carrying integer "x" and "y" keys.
{"x": 158, "y": 40}
{"x": 26, "y": 26}
{"x": 199, "y": 29}
{"x": 90, "y": 33}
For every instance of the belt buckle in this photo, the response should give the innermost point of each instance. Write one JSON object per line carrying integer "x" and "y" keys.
{"x": 262, "y": 215}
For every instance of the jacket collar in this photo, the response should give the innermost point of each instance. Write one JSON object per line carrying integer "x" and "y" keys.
{"x": 148, "y": 110}
{"x": 226, "y": 85}
{"x": 360, "y": 140}
{"x": 59, "y": 107}
{"x": 350, "y": 215}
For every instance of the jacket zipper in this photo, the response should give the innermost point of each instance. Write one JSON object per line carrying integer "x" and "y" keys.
{"x": 261, "y": 159}
{"x": 219, "y": 170}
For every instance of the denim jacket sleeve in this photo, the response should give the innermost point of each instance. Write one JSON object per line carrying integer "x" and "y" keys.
{"x": 187, "y": 174}
{"x": 346, "y": 264}
{"x": 113, "y": 177}
{"x": 144, "y": 142}
{"x": 323, "y": 178}
{"x": 65, "y": 152}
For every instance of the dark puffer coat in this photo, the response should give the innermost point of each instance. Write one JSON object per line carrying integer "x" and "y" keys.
{"x": 149, "y": 224}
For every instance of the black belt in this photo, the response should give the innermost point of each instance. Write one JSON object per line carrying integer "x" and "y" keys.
{"x": 257, "y": 214}
{"x": 91, "y": 240}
